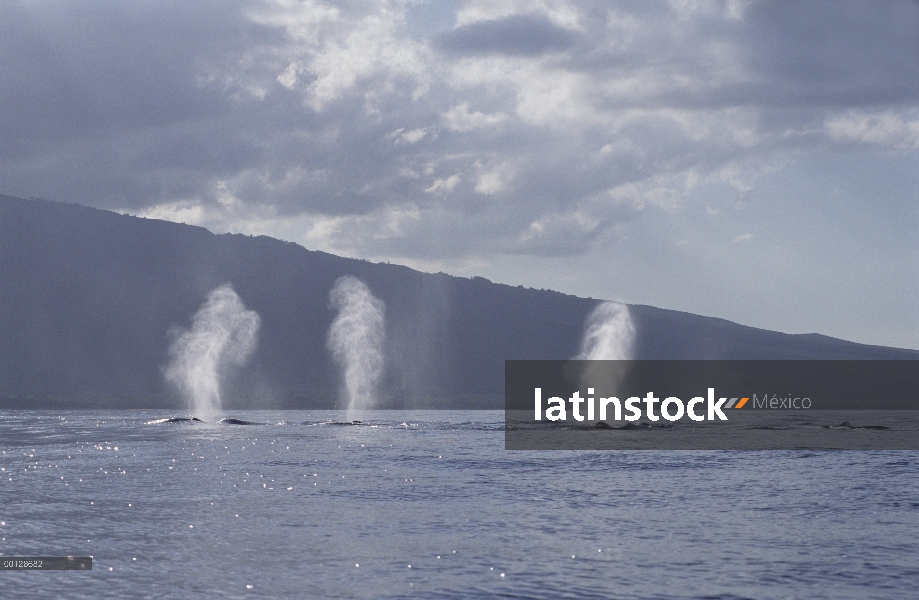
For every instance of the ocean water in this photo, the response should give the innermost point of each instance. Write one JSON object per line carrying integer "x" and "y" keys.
{"x": 429, "y": 504}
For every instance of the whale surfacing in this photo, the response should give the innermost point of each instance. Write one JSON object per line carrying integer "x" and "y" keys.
{"x": 231, "y": 421}
{"x": 175, "y": 420}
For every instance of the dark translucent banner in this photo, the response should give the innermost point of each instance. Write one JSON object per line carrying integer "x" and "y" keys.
{"x": 712, "y": 405}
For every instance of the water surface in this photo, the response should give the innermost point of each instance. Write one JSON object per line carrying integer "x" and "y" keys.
{"x": 296, "y": 505}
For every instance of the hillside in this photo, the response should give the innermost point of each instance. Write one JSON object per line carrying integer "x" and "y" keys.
{"x": 87, "y": 298}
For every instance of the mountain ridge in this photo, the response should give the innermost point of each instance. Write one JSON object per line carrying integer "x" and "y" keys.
{"x": 88, "y": 298}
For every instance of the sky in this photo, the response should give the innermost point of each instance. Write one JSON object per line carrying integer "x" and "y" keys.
{"x": 756, "y": 161}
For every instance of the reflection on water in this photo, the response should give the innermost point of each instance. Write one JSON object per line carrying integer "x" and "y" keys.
{"x": 304, "y": 504}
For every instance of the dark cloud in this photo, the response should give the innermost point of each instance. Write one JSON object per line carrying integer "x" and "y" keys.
{"x": 74, "y": 69}
{"x": 108, "y": 103}
{"x": 509, "y": 133}
{"x": 775, "y": 55}
{"x": 625, "y": 144}
{"x": 838, "y": 47}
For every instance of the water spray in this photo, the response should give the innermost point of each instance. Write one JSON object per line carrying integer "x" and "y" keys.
{"x": 356, "y": 341}
{"x": 222, "y": 336}
{"x": 609, "y": 334}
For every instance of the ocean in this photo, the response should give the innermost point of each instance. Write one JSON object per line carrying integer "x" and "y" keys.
{"x": 429, "y": 504}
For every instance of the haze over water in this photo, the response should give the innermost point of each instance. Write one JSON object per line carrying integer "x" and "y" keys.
{"x": 293, "y": 505}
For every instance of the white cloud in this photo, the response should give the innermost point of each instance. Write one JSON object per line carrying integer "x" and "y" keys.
{"x": 303, "y": 20}
{"x": 444, "y": 185}
{"x": 495, "y": 180}
{"x": 886, "y": 130}
{"x": 288, "y": 77}
{"x": 336, "y": 49}
{"x": 459, "y": 118}
{"x": 188, "y": 212}
{"x": 413, "y": 136}
{"x": 561, "y": 13}
{"x": 557, "y": 233}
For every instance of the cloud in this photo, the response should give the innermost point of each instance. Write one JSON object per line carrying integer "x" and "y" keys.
{"x": 459, "y": 118}
{"x": 495, "y": 180}
{"x": 514, "y": 34}
{"x": 885, "y": 130}
{"x": 558, "y": 234}
{"x": 560, "y": 13}
{"x": 444, "y": 185}
{"x": 413, "y": 136}
{"x": 518, "y": 127}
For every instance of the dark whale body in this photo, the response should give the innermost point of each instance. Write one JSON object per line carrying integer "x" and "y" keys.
{"x": 231, "y": 421}
{"x": 630, "y": 426}
{"x": 847, "y": 425}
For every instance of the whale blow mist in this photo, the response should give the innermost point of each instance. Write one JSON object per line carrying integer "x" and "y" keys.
{"x": 222, "y": 335}
{"x": 356, "y": 340}
{"x": 609, "y": 334}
